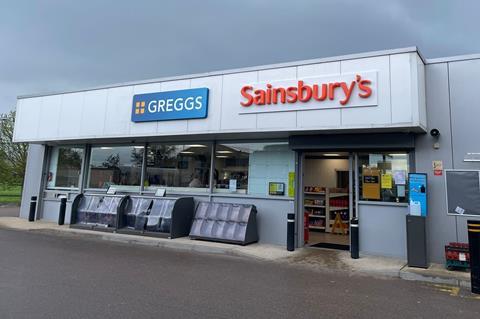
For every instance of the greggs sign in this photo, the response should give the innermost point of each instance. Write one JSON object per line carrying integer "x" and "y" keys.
{"x": 342, "y": 91}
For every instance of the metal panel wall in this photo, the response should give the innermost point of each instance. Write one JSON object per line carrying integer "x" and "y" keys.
{"x": 33, "y": 177}
{"x": 382, "y": 230}
{"x": 441, "y": 228}
{"x": 329, "y": 118}
{"x": 105, "y": 113}
{"x": 465, "y": 111}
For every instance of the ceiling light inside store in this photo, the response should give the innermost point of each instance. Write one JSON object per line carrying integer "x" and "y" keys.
{"x": 331, "y": 154}
{"x": 224, "y": 152}
{"x": 138, "y": 147}
{"x": 222, "y": 156}
{"x": 196, "y": 145}
{"x": 106, "y": 148}
{"x": 187, "y": 152}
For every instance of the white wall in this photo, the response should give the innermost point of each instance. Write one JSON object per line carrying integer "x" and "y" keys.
{"x": 382, "y": 230}
{"x": 105, "y": 113}
{"x": 33, "y": 178}
{"x": 269, "y": 166}
{"x": 322, "y": 172}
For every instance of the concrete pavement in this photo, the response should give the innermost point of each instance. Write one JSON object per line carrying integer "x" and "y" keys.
{"x": 42, "y": 276}
{"x": 314, "y": 258}
{"x": 9, "y": 210}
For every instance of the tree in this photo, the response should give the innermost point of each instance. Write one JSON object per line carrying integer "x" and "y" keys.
{"x": 13, "y": 156}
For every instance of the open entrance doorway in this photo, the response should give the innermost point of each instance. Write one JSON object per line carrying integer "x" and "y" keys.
{"x": 327, "y": 201}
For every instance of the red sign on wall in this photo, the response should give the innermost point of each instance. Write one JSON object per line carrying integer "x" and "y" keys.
{"x": 357, "y": 89}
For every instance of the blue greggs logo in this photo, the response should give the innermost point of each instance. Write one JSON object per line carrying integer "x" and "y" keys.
{"x": 170, "y": 105}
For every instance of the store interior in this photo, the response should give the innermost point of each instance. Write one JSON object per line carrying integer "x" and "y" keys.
{"x": 326, "y": 200}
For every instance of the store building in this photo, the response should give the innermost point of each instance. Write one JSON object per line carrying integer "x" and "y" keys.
{"x": 328, "y": 139}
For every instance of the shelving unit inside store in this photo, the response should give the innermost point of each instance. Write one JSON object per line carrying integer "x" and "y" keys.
{"x": 322, "y": 205}
{"x": 314, "y": 204}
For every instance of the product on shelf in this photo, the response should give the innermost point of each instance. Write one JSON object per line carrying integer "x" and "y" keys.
{"x": 317, "y": 223}
{"x": 317, "y": 202}
{"x": 339, "y": 202}
{"x": 314, "y": 189}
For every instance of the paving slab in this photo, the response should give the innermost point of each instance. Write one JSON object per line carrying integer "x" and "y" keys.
{"x": 437, "y": 273}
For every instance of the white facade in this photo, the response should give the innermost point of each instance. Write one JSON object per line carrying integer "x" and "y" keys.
{"x": 399, "y": 103}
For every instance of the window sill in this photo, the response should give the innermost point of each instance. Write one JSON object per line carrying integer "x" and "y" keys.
{"x": 253, "y": 196}
{"x": 366, "y": 202}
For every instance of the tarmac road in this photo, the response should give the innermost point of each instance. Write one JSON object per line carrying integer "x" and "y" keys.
{"x": 52, "y": 276}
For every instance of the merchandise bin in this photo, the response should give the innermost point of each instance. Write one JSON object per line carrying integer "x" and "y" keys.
{"x": 457, "y": 255}
{"x": 97, "y": 211}
{"x": 157, "y": 216}
{"x": 225, "y": 222}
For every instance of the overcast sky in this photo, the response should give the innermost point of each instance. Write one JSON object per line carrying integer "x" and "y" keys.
{"x": 62, "y": 45}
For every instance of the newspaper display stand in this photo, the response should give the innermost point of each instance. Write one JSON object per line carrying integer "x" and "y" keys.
{"x": 157, "y": 216}
{"x": 97, "y": 211}
{"x": 225, "y": 222}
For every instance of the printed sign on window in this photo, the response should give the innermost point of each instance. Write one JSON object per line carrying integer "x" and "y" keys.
{"x": 386, "y": 181}
{"x": 371, "y": 183}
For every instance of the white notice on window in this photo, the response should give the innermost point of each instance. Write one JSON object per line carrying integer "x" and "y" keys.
{"x": 459, "y": 210}
{"x": 399, "y": 177}
{"x": 232, "y": 186}
{"x": 462, "y": 257}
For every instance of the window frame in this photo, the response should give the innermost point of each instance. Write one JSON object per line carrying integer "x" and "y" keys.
{"x": 209, "y": 191}
{"x": 246, "y": 194}
{"x": 174, "y": 189}
{"x": 119, "y": 189}
{"x": 47, "y": 167}
{"x": 410, "y": 157}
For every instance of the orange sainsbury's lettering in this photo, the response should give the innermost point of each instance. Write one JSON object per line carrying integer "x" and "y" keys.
{"x": 246, "y": 95}
{"x": 302, "y": 92}
{"x": 362, "y": 85}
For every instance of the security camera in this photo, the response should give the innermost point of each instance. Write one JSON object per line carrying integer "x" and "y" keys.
{"x": 434, "y": 132}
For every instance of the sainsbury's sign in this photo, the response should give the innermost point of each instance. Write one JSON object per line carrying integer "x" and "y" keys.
{"x": 342, "y": 91}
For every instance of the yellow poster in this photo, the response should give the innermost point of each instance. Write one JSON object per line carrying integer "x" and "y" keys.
{"x": 387, "y": 181}
{"x": 291, "y": 184}
{"x": 371, "y": 183}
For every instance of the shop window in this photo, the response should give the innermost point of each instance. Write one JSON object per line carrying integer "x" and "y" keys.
{"x": 255, "y": 168}
{"x": 65, "y": 165}
{"x": 118, "y": 166}
{"x": 178, "y": 167}
{"x": 384, "y": 176}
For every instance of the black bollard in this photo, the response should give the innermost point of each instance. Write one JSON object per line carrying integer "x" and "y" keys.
{"x": 354, "y": 244}
{"x": 33, "y": 208}
{"x": 63, "y": 208}
{"x": 474, "y": 246}
{"x": 290, "y": 232}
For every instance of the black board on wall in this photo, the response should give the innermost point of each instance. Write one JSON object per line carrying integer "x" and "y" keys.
{"x": 463, "y": 192}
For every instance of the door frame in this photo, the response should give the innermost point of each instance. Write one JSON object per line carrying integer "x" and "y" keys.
{"x": 299, "y": 198}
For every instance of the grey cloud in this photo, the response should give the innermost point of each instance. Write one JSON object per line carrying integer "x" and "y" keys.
{"x": 61, "y": 45}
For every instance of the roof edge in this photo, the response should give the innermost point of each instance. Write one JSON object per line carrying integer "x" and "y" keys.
{"x": 454, "y": 58}
{"x": 352, "y": 56}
